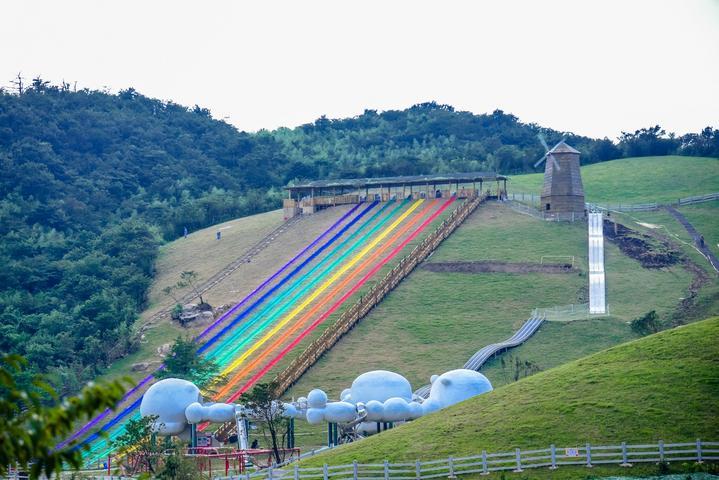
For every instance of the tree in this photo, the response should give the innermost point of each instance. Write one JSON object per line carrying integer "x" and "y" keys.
{"x": 33, "y": 418}
{"x": 263, "y": 404}
{"x": 178, "y": 467}
{"x": 138, "y": 445}
{"x": 183, "y": 362}
{"x": 646, "y": 324}
{"x": 188, "y": 278}
{"x": 515, "y": 368}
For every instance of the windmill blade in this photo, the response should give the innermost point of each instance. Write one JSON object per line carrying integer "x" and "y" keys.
{"x": 543, "y": 141}
{"x": 555, "y": 164}
{"x": 539, "y": 162}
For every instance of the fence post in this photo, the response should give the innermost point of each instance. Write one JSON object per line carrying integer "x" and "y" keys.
{"x": 699, "y": 451}
{"x": 269, "y": 473}
{"x": 450, "y": 462}
{"x": 624, "y": 463}
{"x": 661, "y": 450}
{"x": 325, "y": 474}
{"x": 354, "y": 470}
{"x": 247, "y": 470}
{"x": 418, "y": 469}
{"x": 484, "y": 463}
{"x": 519, "y": 461}
{"x": 297, "y": 472}
{"x": 386, "y": 470}
{"x": 553, "y": 450}
{"x": 589, "y": 455}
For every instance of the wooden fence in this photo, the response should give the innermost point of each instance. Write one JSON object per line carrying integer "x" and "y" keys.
{"x": 367, "y": 302}
{"x": 518, "y": 460}
{"x": 534, "y": 200}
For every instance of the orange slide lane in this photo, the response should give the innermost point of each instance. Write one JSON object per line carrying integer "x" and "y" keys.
{"x": 337, "y": 289}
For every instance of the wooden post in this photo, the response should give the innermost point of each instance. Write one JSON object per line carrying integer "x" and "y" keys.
{"x": 588, "y": 450}
{"x": 325, "y": 473}
{"x": 450, "y": 463}
{"x": 699, "y": 451}
{"x": 624, "y": 463}
{"x": 386, "y": 470}
{"x": 485, "y": 471}
{"x": 518, "y": 455}
{"x": 661, "y": 450}
{"x": 418, "y": 469}
{"x": 297, "y": 472}
{"x": 553, "y": 450}
{"x": 354, "y": 470}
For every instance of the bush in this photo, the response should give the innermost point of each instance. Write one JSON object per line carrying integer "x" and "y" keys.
{"x": 646, "y": 324}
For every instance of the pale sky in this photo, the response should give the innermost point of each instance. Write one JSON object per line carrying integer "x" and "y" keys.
{"x": 592, "y": 67}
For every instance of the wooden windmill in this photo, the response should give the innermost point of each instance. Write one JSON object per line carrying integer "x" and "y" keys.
{"x": 563, "y": 193}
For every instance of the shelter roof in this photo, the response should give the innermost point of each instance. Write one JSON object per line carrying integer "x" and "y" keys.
{"x": 358, "y": 183}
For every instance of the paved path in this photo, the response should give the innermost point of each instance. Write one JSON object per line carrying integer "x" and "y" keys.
{"x": 696, "y": 236}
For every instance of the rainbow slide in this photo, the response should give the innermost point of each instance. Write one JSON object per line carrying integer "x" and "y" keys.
{"x": 298, "y": 300}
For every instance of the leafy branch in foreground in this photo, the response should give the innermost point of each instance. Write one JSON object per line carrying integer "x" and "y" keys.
{"x": 33, "y": 418}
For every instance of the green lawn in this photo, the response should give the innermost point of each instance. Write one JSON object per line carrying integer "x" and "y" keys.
{"x": 660, "y": 387}
{"x": 638, "y": 180}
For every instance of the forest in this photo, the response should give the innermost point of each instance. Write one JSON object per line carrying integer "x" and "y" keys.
{"x": 93, "y": 183}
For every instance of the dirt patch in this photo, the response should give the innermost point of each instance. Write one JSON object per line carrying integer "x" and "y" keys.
{"x": 688, "y": 308}
{"x": 651, "y": 252}
{"x": 493, "y": 266}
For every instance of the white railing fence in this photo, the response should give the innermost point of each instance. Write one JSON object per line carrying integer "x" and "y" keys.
{"x": 698, "y": 199}
{"x": 624, "y": 455}
{"x": 532, "y": 200}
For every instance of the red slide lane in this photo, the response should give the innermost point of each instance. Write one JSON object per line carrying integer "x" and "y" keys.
{"x": 337, "y": 304}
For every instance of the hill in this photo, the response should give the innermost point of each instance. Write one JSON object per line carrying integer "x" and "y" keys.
{"x": 660, "y": 387}
{"x": 93, "y": 183}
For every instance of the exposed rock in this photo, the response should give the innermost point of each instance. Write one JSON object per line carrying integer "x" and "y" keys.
{"x": 139, "y": 367}
{"x": 164, "y": 349}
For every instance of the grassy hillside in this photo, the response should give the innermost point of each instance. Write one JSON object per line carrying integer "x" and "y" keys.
{"x": 434, "y": 321}
{"x": 659, "y": 387}
{"x": 639, "y": 180}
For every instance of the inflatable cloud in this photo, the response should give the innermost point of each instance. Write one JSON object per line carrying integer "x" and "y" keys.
{"x": 178, "y": 403}
{"x": 382, "y": 396}
{"x": 453, "y": 387}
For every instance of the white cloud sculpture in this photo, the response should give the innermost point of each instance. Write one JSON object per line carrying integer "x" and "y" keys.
{"x": 383, "y": 396}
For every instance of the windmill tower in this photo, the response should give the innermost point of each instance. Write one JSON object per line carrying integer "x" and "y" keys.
{"x": 563, "y": 193}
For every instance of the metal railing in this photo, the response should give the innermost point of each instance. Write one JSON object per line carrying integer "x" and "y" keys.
{"x": 624, "y": 455}
{"x": 568, "y": 313}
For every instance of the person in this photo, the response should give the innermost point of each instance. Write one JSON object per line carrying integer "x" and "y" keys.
{"x": 701, "y": 241}
{"x": 219, "y": 234}
{"x": 185, "y": 232}
{"x": 255, "y": 444}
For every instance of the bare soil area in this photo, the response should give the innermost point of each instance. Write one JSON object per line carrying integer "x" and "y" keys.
{"x": 496, "y": 266}
{"x": 649, "y": 251}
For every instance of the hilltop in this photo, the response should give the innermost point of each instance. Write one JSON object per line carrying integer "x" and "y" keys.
{"x": 659, "y": 387}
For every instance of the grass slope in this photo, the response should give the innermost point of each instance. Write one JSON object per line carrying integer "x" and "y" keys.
{"x": 659, "y": 387}
{"x": 435, "y": 321}
{"x": 639, "y": 180}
